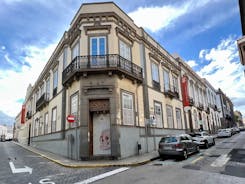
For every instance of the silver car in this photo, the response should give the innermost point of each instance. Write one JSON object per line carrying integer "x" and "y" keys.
{"x": 224, "y": 133}
{"x": 177, "y": 145}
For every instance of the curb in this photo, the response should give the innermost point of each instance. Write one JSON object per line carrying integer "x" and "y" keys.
{"x": 88, "y": 165}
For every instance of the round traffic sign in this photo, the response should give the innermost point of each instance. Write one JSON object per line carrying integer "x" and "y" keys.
{"x": 70, "y": 118}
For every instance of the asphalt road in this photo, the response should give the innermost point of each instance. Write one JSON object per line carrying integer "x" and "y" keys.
{"x": 222, "y": 163}
{"x": 42, "y": 170}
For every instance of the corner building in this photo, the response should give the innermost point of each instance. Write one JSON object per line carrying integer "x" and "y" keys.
{"x": 122, "y": 87}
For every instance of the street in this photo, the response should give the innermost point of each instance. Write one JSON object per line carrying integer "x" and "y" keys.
{"x": 222, "y": 163}
{"x": 43, "y": 170}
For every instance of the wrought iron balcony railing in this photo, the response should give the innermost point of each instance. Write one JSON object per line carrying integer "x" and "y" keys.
{"x": 171, "y": 91}
{"x": 42, "y": 101}
{"x": 82, "y": 65}
{"x": 191, "y": 101}
{"x": 200, "y": 106}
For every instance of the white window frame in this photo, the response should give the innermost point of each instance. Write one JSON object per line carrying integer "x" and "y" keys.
{"x": 178, "y": 118}
{"x": 65, "y": 57}
{"x": 125, "y": 50}
{"x": 158, "y": 114}
{"x": 75, "y": 51}
{"x": 166, "y": 79}
{"x": 55, "y": 78}
{"x": 54, "y": 120}
{"x": 170, "y": 118}
{"x": 128, "y": 109}
{"x": 74, "y": 108}
{"x": 155, "y": 72}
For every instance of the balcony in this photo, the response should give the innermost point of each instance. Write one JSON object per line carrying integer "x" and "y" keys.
{"x": 171, "y": 91}
{"x": 191, "y": 101}
{"x": 156, "y": 85}
{"x": 42, "y": 101}
{"x": 110, "y": 63}
{"x": 28, "y": 115}
{"x": 207, "y": 109}
{"x": 214, "y": 107}
{"x": 200, "y": 106}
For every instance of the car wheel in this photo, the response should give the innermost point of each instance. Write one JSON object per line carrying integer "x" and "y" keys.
{"x": 213, "y": 141}
{"x": 185, "y": 156}
{"x": 206, "y": 144}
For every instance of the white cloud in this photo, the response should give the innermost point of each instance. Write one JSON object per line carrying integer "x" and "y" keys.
{"x": 13, "y": 84}
{"x": 3, "y": 47}
{"x": 158, "y": 17}
{"x": 225, "y": 71}
{"x": 191, "y": 63}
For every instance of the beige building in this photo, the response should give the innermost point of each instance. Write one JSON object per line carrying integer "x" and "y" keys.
{"x": 121, "y": 86}
{"x": 199, "y": 100}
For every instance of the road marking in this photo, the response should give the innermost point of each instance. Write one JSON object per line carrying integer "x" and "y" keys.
{"x": 197, "y": 159}
{"x": 19, "y": 170}
{"x": 102, "y": 176}
{"x": 220, "y": 161}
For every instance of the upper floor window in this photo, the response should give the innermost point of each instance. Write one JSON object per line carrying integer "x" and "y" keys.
{"x": 65, "y": 58}
{"x": 166, "y": 80}
{"x": 154, "y": 72}
{"x": 55, "y": 82}
{"x": 175, "y": 84}
{"x": 128, "y": 109}
{"x": 75, "y": 51}
{"x": 42, "y": 90}
{"x": 125, "y": 50}
{"x": 98, "y": 45}
{"x": 48, "y": 88}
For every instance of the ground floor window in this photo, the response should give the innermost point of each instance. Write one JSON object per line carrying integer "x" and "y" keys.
{"x": 46, "y": 123}
{"x": 53, "y": 122}
{"x": 170, "y": 119}
{"x": 178, "y": 118}
{"x": 74, "y": 108}
{"x": 158, "y": 114}
{"x": 127, "y": 109}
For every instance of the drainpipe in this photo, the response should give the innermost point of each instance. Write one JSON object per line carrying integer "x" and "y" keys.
{"x": 63, "y": 113}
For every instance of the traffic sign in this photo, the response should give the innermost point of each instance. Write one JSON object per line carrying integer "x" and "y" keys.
{"x": 70, "y": 118}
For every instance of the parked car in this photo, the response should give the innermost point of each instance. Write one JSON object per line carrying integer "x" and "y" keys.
{"x": 177, "y": 145}
{"x": 232, "y": 131}
{"x": 224, "y": 133}
{"x": 203, "y": 139}
{"x": 236, "y": 129}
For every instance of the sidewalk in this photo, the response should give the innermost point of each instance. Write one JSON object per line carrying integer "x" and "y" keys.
{"x": 65, "y": 162}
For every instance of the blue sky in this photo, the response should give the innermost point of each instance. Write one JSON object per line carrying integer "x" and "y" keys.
{"x": 203, "y": 33}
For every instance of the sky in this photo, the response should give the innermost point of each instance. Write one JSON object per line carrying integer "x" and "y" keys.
{"x": 203, "y": 33}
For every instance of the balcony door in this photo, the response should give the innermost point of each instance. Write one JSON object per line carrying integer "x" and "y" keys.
{"x": 98, "y": 51}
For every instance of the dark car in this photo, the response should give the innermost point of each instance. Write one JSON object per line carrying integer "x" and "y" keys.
{"x": 177, "y": 145}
